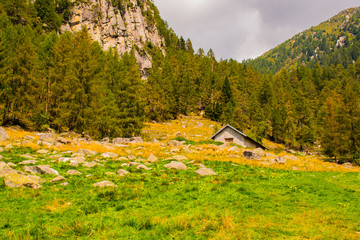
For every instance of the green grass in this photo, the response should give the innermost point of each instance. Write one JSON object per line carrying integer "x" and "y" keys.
{"x": 242, "y": 202}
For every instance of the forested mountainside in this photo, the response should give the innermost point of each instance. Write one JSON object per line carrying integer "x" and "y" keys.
{"x": 70, "y": 69}
{"x": 335, "y": 41}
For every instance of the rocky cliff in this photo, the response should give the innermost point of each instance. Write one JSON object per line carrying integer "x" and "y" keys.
{"x": 122, "y": 28}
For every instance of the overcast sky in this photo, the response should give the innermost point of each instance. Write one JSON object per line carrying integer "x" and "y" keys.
{"x": 242, "y": 29}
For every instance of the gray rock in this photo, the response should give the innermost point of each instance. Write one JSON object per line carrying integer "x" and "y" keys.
{"x": 131, "y": 157}
{"x": 178, "y": 158}
{"x": 58, "y": 179}
{"x": 64, "y": 184}
{"x": 30, "y": 138}
{"x": 90, "y": 164}
{"x": 292, "y": 158}
{"x": 121, "y": 140}
{"x": 205, "y": 172}
{"x": 280, "y": 160}
{"x": 141, "y": 166}
{"x": 105, "y": 140}
{"x": 42, "y": 151}
{"x": 15, "y": 179}
{"x": 152, "y": 158}
{"x": 251, "y": 155}
{"x": 136, "y": 140}
{"x": 109, "y": 155}
{"x": 3, "y": 135}
{"x": 104, "y": 184}
{"x": 10, "y": 164}
{"x": 174, "y": 143}
{"x": 122, "y": 172}
{"x": 62, "y": 140}
{"x": 73, "y": 172}
{"x": 154, "y": 140}
{"x": 233, "y": 149}
{"x": 41, "y": 169}
{"x": 176, "y": 165}
{"x": 27, "y": 162}
{"x": 87, "y": 152}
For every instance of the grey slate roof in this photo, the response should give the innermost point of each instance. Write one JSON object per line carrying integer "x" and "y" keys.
{"x": 241, "y": 133}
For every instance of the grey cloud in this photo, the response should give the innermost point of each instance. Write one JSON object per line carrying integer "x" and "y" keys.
{"x": 242, "y": 29}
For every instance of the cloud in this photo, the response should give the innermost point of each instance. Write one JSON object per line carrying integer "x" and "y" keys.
{"x": 242, "y": 29}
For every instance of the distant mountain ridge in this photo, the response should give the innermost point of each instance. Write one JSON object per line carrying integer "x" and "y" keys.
{"x": 335, "y": 41}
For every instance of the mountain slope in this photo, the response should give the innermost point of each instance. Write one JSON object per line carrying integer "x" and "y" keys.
{"x": 335, "y": 41}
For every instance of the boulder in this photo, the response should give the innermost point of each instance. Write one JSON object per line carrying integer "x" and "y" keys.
{"x": 104, "y": 184}
{"x": 62, "y": 140}
{"x": 87, "y": 152}
{"x": 152, "y": 158}
{"x": 109, "y": 155}
{"x": 120, "y": 140}
{"x": 27, "y": 162}
{"x": 3, "y": 135}
{"x": 58, "y": 179}
{"x": 175, "y": 165}
{"x": 30, "y": 138}
{"x": 131, "y": 157}
{"x": 174, "y": 143}
{"x": 292, "y": 158}
{"x": 42, "y": 151}
{"x": 73, "y": 172}
{"x": 154, "y": 140}
{"x": 105, "y": 140}
{"x": 136, "y": 140}
{"x": 90, "y": 164}
{"x": 41, "y": 169}
{"x": 259, "y": 151}
{"x": 122, "y": 172}
{"x": 280, "y": 160}
{"x": 205, "y": 172}
{"x": 14, "y": 179}
{"x": 178, "y": 158}
{"x": 251, "y": 155}
{"x": 141, "y": 166}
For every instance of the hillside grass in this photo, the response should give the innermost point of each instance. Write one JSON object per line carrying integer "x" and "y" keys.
{"x": 242, "y": 202}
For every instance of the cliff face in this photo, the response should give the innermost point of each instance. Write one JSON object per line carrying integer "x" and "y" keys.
{"x": 114, "y": 28}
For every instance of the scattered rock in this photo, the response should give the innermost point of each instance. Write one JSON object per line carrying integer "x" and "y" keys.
{"x": 348, "y": 165}
{"x": 152, "y": 158}
{"x": 104, "y": 184}
{"x": 73, "y": 172}
{"x": 292, "y": 158}
{"x": 62, "y": 140}
{"x": 109, "y": 155}
{"x": 174, "y": 143}
{"x": 269, "y": 155}
{"x": 174, "y": 150}
{"x": 41, "y": 169}
{"x": 14, "y": 179}
{"x": 175, "y": 165}
{"x": 122, "y": 172}
{"x": 42, "y": 151}
{"x": 28, "y": 156}
{"x": 105, "y": 140}
{"x": 10, "y": 164}
{"x": 27, "y": 162}
{"x": 3, "y": 135}
{"x": 58, "y": 179}
{"x": 205, "y": 172}
{"x": 141, "y": 166}
{"x": 200, "y": 165}
{"x": 120, "y": 140}
{"x": 178, "y": 158}
{"x": 280, "y": 160}
{"x": 3, "y": 165}
{"x": 1, "y": 149}
{"x": 87, "y": 152}
{"x": 30, "y": 138}
{"x": 136, "y": 140}
{"x": 295, "y": 168}
{"x": 251, "y": 155}
{"x": 64, "y": 184}
{"x": 131, "y": 157}
{"x": 90, "y": 164}
{"x": 8, "y": 147}
{"x": 154, "y": 140}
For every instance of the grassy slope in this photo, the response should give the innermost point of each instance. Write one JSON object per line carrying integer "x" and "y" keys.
{"x": 245, "y": 201}
{"x": 329, "y": 28}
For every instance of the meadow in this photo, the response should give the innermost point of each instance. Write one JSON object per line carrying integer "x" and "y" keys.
{"x": 241, "y": 202}
{"x": 306, "y": 198}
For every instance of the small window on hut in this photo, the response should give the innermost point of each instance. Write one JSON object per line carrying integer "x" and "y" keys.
{"x": 229, "y": 140}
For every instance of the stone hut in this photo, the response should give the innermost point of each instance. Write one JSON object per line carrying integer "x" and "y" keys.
{"x": 229, "y": 134}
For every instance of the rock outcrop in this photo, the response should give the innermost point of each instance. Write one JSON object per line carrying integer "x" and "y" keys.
{"x": 123, "y": 29}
